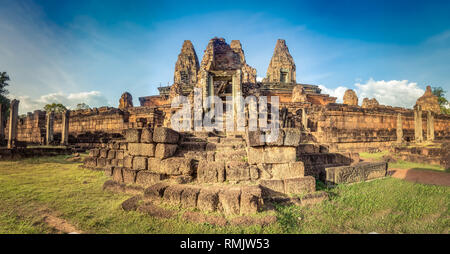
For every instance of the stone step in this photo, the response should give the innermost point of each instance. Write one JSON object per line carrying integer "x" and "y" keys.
{"x": 232, "y": 141}
{"x": 213, "y": 139}
{"x": 193, "y": 146}
{"x": 323, "y": 158}
{"x": 194, "y": 139}
{"x": 222, "y": 146}
{"x": 229, "y": 200}
{"x": 231, "y": 155}
{"x": 297, "y": 185}
{"x": 308, "y": 148}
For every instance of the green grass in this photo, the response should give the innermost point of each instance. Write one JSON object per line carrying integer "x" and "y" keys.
{"x": 375, "y": 156}
{"x": 400, "y": 163}
{"x": 414, "y": 165}
{"x": 31, "y": 188}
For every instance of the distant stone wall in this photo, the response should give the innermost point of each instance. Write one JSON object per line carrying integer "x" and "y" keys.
{"x": 31, "y": 128}
{"x": 356, "y": 128}
{"x": 86, "y": 126}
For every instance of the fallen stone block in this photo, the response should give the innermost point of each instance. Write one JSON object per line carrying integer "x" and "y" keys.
{"x": 165, "y": 135}
{"x": 155, "y": 191}
{"x": 314, "y": 198}
{"x": 355, "y": 173}
{"x": 189, "y": 196}
{"x": 131, "y": 204}
{"x": 165, "y": 150}
{"x": 147, "y": 179}
{"x": 156, "y": 211}
{"x": 251, "y": 199}
{"x": 300, "y": 185}
{"x": 230, "y": 200}
{"x": 208, "y": 199}
{"x": 199, "y": 217}
{"x": 172, "y": 194}
{"x": 133, "y": 135}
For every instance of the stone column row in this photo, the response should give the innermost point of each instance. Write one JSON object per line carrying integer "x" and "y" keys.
{"x": 13, "y": 122}
{"x": 418, "y": 130}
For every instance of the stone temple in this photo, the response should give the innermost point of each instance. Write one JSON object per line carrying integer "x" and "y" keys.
{"x": 235, "y": 172}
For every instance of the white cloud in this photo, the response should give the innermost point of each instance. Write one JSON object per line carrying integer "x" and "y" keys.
{"x": 92, "y": 98}
{"x": 399, "y": 93}
{"x": 259, "y": 79}
{"x": 336, "y": 92}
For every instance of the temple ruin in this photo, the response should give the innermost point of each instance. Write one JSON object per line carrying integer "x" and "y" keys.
{"x": 234, "y": 172}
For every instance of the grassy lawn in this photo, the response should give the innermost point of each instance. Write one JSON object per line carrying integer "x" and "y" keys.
{"x": 400, "y": 163}
{"x": 32, "y": 188}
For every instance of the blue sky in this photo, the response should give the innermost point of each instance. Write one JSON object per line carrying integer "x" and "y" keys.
{"x": 93, "y": 51}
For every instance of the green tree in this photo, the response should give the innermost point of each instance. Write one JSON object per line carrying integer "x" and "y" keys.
{"x": 3, "y": 92}
{"x": 443, "y": 102}
{"x": 82, "y": 106}
{"x": 55, "y": 107}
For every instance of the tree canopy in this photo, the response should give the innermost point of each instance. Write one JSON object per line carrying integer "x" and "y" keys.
{"x": 443, "y": 102}
{"x": 82, "y": 106}
{"x": 3, "y": 92}
{"x": 55, "y": 107}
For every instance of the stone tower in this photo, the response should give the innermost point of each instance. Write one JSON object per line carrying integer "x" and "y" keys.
{"x": 282, "y": 67}
{"x": 350, "y": 98}
{"x": 187, "y": 65}
{"x": 248, "y": 73}
{"x": 126, "y": 101}
{"x": 429, "y": 102}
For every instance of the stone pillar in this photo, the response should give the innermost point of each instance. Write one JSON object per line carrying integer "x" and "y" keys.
{"x": 418, "y": 131}
{"x": 13, "y": 119}
{"x": 430, "y": 126}
{"x": 65, "y": 128}
{"x": 399, "y": 128}
{"x": 304, "y": 119}
{"x": 237, "y": 102}
{"x": 49, "y": 128}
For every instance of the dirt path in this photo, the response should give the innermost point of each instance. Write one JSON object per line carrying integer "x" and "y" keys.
{"x": 421, "y": 176}
{"x": 60, "y": 224}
